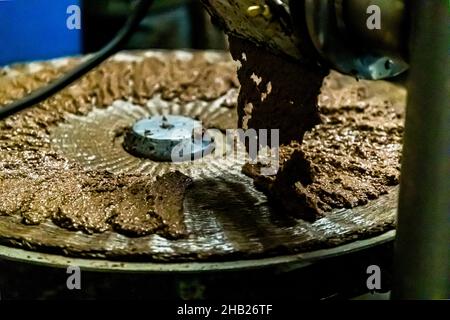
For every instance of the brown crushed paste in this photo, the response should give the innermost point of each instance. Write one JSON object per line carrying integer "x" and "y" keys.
{"x": 37, "y": 183}
{"x": 96, "y": 201}
{"x": 277, "y": 92}
{"x": 339, "y": 149}
{"x": 353, "y": 156}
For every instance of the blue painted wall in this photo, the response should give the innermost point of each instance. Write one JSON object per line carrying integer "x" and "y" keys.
{"x": 36, "y": 30}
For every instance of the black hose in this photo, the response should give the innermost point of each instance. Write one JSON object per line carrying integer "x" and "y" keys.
{"x": 139, "y": 12}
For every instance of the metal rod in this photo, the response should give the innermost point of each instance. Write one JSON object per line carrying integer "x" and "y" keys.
{"x": 423, "y": 243}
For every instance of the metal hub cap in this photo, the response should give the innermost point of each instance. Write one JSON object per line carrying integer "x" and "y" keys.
{"x": 168, "y": 138}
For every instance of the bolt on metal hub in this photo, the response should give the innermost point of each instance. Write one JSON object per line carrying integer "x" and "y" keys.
{"x": 171, "y": 138}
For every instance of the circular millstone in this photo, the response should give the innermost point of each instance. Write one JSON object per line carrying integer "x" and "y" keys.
{"x": 168, "y": 138}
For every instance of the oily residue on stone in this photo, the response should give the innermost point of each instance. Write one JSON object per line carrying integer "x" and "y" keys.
{"x": 353, "y": 156}
{"x": 38, "y": 183}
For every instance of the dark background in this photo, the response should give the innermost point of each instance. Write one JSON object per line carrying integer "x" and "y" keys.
{"x": 170, "y": 24}
{"x": 33, "y": 30}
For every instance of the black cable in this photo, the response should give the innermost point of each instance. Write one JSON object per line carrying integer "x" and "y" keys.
{"x": 139, "y": 12}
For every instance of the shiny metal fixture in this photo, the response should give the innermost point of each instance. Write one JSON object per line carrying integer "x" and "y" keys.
{"x": 168, "y": 138}
{"x": 342, "y": 33}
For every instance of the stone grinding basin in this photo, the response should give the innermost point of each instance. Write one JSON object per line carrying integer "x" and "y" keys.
{"x": 227, "y": 219}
